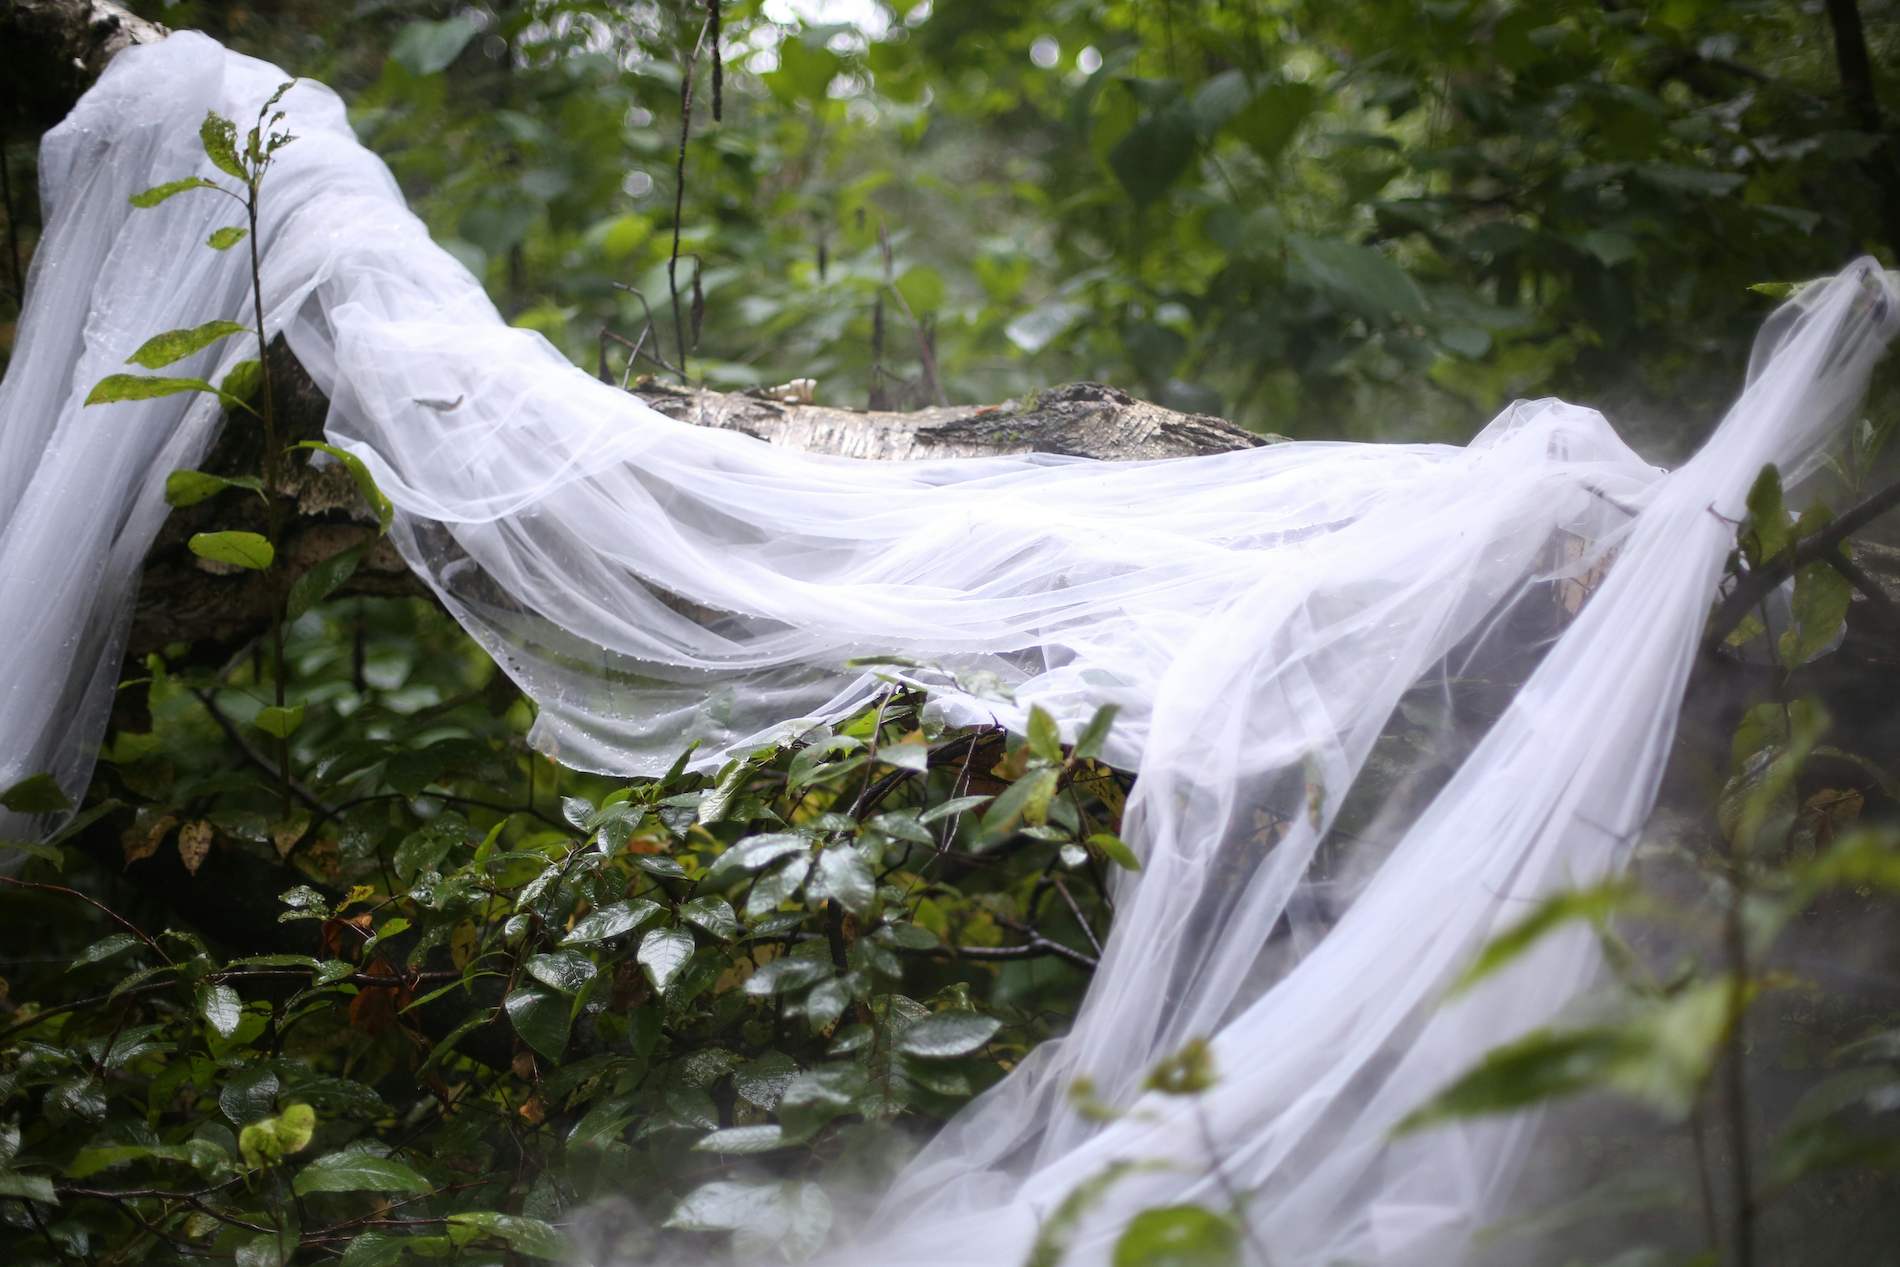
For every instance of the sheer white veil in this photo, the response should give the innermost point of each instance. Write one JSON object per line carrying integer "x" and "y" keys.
{"x": 1259, "y": 616}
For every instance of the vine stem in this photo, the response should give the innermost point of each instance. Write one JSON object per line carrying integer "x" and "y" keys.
{"x": 679, "y": 190}
{"x": 274, "y": 513}
{"x": 1735, "y": 1089}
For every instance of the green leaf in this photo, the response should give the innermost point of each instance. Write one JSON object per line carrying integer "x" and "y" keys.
{"x": 1819, "y": 611}
{"x": 614, "y": 920}
{"x": 524, "y": 1235}
{"x": 1116, "y": 850}
{"x": 740, "y": 1140}
{"x": 1045, "y": 741}
{"x": 219, "y": 135}
{"x": 1154, "y": 153}
{"x": 922, "y": 289}
{"x": 357, "y": 1172}
{"x": 1088, "y": 744}
{"x": 942, "y": 1035}
{"x": 365, "y": 482}
{"x": 1543, "y": 1065}
{"x": 278, "y": 721}
{"x": 239, "y": 549}
{"x": 540, "y": 1016}
{"x": 241, "y": 383}
{"x": 373, "y": 1249}
{"x": 1018, "y": 800}
{"x": 188, "y": 488}
{"x": 105, "y": 948}
{"x": 1593, "y": 904}
{"x": 426, "y": 48}
{"x": 1179, "y": 1236}
{"x": 319, "y": 582}
{"x": 35, "y": 794}
{"x": 162, "y": 349}
{"x": 565, "y": 970}
{"x": 117, "y": 387}
{"x": 663, "y": 952}
{"x": 842, "y": 875}
{"x": 159, "y": 193}
{"x": 1769, "y": 530}
{"x": 1360, "y": 277}
{"x": 221, "y": 1007}
{"x": 31, "y": 1187}
{"x": 278, "y": 1137}
{"x": 712, "y": 914}
{"x": 756, "y": 852}
{"x": 1271, "y": 119}
{"x": 226, "y": 238}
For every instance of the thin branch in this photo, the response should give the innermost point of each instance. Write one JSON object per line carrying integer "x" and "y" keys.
{"x": 1757, "y": 585}
{"x": 132, "y": 928}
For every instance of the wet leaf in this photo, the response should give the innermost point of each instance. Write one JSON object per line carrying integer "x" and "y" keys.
{"x": 612, "y": 921}
{"x": 663, "y": 952}
{"x": 540, "y": 1017}
{"x": 565, "y": 970}
{"x": 357, "y": 1172}
{"x": 942, "y": 1035}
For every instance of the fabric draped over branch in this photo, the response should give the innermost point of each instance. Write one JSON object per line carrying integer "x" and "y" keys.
{"x": 1260, "y": 616}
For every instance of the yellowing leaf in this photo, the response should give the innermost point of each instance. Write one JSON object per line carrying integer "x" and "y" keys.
{"x": 278, "y": 1137}
{"x": 239, "y": 549}
{"x": 194, "y": 844}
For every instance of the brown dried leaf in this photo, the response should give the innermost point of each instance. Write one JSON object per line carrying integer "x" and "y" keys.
{"x": 535, "y": 1110}
{"x": 375, "y": 1008}
{"x": 143, "y": 844}
{"x": 523, "y": 1065}
{"x": 194, "y": 844}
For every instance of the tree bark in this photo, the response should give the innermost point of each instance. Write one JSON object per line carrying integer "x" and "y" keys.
{"x": 55, "y": 49}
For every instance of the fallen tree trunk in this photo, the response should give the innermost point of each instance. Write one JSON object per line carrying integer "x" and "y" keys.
{"x": 220, "y": 609}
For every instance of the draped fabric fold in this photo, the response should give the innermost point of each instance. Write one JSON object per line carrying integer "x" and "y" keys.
{"x": 1260, "y": 617}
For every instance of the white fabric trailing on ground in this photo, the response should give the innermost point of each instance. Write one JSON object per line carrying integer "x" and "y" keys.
{"x": 1258, "y": 616}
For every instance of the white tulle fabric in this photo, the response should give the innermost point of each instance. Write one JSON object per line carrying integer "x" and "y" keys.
{"x": 1257, "y": 615}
